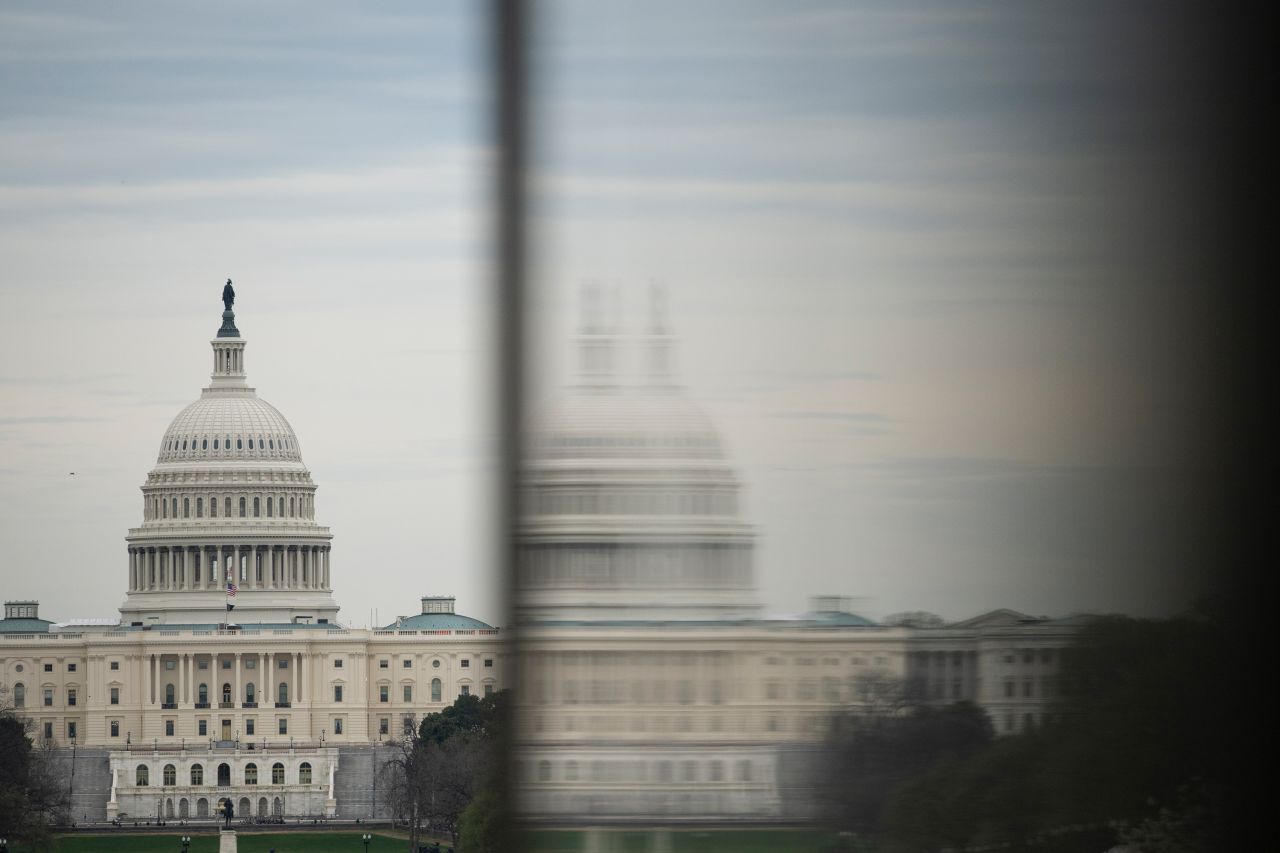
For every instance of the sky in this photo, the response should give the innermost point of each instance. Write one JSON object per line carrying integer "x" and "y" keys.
{"x": 932, "y": 270}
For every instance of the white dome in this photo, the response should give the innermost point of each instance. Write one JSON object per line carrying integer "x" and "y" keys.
{"x": 628, "y": 424}
{"x": 229, "y": 426}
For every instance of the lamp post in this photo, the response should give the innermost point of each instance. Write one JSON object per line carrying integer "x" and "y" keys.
{"x": 186, "y": 842}
{"x": 366, "y": 838}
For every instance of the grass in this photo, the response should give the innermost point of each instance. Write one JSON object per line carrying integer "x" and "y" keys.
{"x": 247, "y": 842}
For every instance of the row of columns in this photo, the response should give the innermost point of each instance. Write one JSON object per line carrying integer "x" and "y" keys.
{"x": 192, "y": 567}
{"x": 267, "y": 684}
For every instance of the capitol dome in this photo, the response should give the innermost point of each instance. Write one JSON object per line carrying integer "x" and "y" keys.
{"x": 229, "y": 511}
{"x": 639, "y": 424}
{"x": 630, "y": 509}
{"x": 226, "y": 427}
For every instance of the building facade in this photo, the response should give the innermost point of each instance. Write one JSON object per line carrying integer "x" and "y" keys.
{"x": 651, "y": 684}
{"x": 651, "y": 687}
{"x": 186, "y": 702}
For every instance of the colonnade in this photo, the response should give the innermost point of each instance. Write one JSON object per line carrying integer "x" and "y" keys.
{"x": 269, "y": 676}
{"x": 161, "y": 568}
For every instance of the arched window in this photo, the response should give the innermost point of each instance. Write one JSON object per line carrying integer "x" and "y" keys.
{"x": 435, "y": 689}
{"x": 248, "y": 692}
{"x": 224, "y": 775}
{"x": 226, "y": 693}
{"x": 175, "y": 507}
{"x": 186, "y": 507}
{"x": 226, "y": 506}
{"x": 251, "y": 774}
{"x": 199, "y": 507}
{"x": 270, "y": 506}
{"x": 170, "y": 775}
{"x": 271, "y": 444}
{"x": 164, "y": 509}
{"x": 19, "y": 695}
{"x": 284, "y": 693}
{"x": 257, "y": 508}
{"x": 239, "y": 443}
{"x": 277, "y": 774}
{"x": 204, "y": 444}
{"x": 197, "y": 774}
{"x": 142, "y": 778}
{"x": 242, "y": 507}
{"x": 168, "y": 694}
{"x": 204, "y": 694}
{"x": 213, "y": 507}
{"x": 304, "y": 773}
{"x": 292, "y": 511}
{"x": 281, "y": 506}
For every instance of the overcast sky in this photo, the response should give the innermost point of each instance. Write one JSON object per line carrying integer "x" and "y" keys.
{"x": 929, "y": 270}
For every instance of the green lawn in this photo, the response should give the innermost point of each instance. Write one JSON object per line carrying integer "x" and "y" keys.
{"x": 247, "y": 842}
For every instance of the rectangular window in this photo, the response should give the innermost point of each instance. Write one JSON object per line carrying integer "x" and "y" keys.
{"x": 383, "y": 664}
{"x": 115, "y": 728}
{"x": 202, "y": 727}
{"x": 408, "y": 725}
{"x": 48, "y": 697}
{"x": 171, "y": 664}
{"x": 48, "y": 667}
{"x": 1008, "y": 690}
{"x": 383, "y": 692}
{"x": 284, "y": 664}
{"x": 465, "y": 663}
{"x": 168, "y": 728}
{"x": 466, "y": 691}
{"x": 488, "y": 662}
{"x": 337, "y": 726}
{"x": 71, "y": 730}
{"x": 384, "y": 726}
{"x": 48, "y": 731}
{"x": 115, "y": 665}
{"x": 408, "y": 693}
{"x": 337, "y": 692}
{"x": 284, "y": 725}
{"x": 226, "y": 664}
{"x": 1026, "y": 688}
{"x": 204, "y": 664}
{"x": 249, "y": 727}
{"x": 337, "y": 663}
{"x": 250, "y": 664}
{"x": 71, "y": 697}
{"x": 488, "y": 690}
{"x": 71, "y": 667}
{"x": 408, "y": 664}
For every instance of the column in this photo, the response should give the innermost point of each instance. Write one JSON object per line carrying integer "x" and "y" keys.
{"x": 155, "y": 679}
{"x": 296, "y": 665}
{"x": 237, "y": 695}
{"x": 270, "y": 680}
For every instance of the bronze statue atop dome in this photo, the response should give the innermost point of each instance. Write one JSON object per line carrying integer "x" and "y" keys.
{"x": 228, "y": 295}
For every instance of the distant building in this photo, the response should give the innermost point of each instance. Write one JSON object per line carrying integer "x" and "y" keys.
{"x": 181, "y": 703}
{"x": 651, "y": 686}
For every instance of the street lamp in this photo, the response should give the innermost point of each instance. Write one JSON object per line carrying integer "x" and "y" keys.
{"x": 186, "y": 841}
{"x": 366, "y": 838}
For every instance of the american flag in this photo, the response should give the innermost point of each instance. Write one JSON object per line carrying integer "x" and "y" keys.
{"x": 231, "y": 590}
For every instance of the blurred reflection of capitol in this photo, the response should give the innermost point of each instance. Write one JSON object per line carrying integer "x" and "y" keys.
{"x": 652, "y": 686}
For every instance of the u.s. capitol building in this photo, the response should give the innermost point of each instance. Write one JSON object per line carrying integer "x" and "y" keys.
{"x": 651, "y": 683}
{"x": 273, "y": 704}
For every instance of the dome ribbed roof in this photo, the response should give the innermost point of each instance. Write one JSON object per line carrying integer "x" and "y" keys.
{"x": 628, "y": 423}
{"x": 229, "y": 426}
